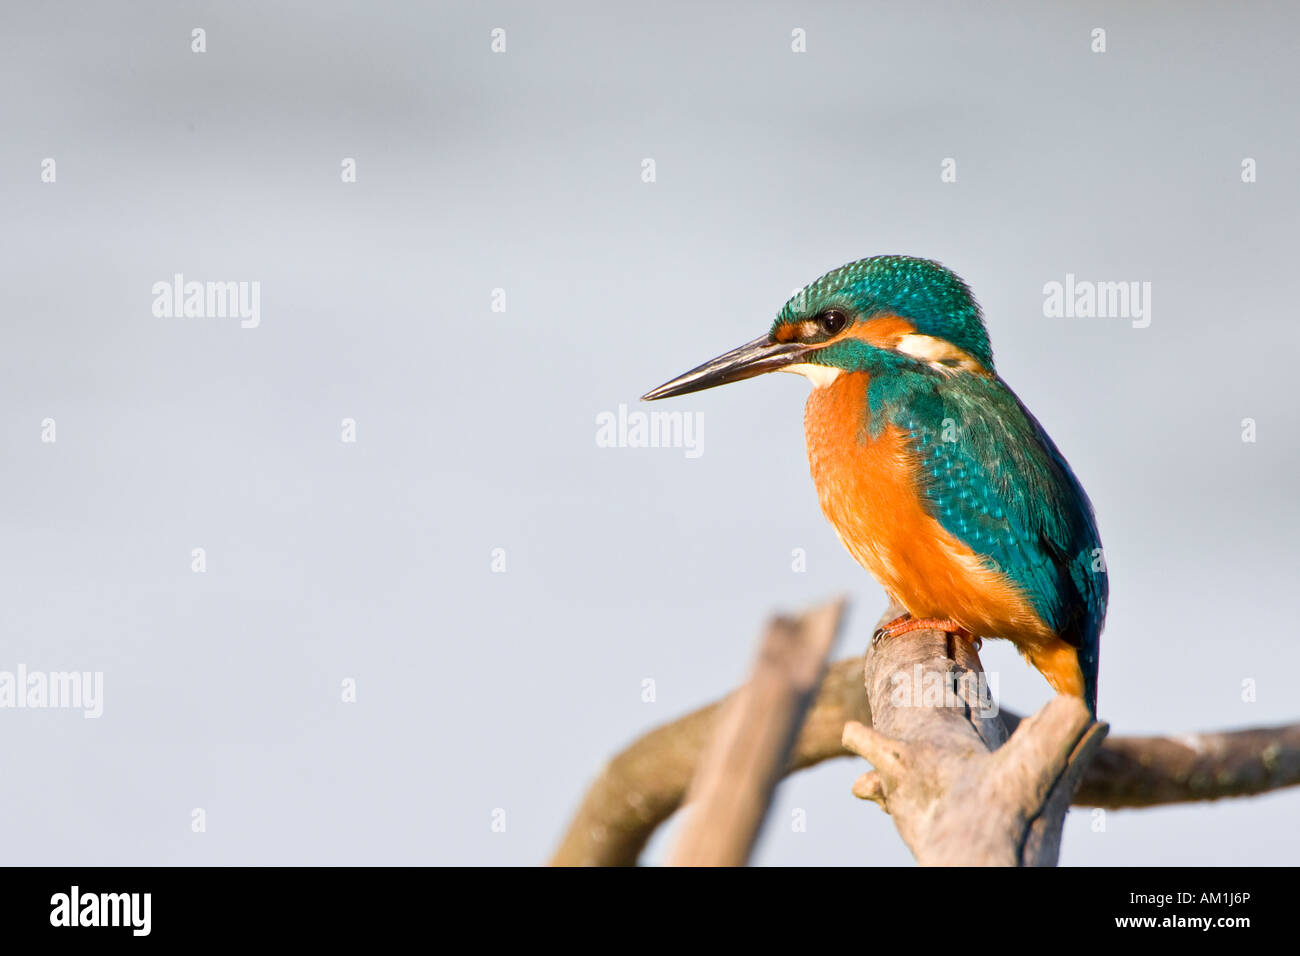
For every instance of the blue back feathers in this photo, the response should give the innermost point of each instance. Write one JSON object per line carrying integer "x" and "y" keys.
{"x": 996, "y": 481}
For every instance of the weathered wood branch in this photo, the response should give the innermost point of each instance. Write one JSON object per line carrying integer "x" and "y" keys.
{"x": 645, "y": 783}
{"x": 732, "y": 789}
{"x": 959, "y": 790}
{"x": 1136, "y": 772}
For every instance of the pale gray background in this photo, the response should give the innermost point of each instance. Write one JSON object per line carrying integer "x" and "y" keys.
{"x": 477, "y": 430}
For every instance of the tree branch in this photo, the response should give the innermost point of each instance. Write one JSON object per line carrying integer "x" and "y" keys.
{"x": 959, "y": 791}
{"x": 732, "y": 789}
{"x": 644, "y": 784}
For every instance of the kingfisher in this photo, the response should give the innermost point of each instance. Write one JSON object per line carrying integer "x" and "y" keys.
{"x": 934, "y": 474}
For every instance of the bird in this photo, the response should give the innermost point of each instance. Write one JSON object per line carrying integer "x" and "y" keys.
{"x": 936, "y": 477}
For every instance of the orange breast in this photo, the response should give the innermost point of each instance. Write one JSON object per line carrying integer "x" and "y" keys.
{"x": 869, "y": 491}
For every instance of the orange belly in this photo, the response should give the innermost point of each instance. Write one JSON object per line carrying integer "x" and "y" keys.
{"x": 869, "y": 490}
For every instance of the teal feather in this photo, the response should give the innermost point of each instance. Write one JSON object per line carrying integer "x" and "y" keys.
{"x": 932, "y": 298}
{"x": 996, "y": 481}
{"x": 989, "y": 473}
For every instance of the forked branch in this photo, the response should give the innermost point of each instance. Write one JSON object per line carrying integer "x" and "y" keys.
{"x": 641, "y": 786}
{"x": 959, "y": 791}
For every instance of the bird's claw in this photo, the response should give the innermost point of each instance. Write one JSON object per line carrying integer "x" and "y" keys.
{"x": 906, "y": 623}
{"x": 888, "y": 629}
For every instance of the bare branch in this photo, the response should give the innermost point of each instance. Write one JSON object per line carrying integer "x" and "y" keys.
{"x": 644, "y": 784}
{"x": 732, "y": 789}
{"x": 959, "y": 791}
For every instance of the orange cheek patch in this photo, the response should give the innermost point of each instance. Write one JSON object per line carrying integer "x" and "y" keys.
{"x": 884, "y": 331}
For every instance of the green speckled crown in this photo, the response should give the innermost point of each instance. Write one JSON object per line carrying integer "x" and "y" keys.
{"x": 932, "y": 298}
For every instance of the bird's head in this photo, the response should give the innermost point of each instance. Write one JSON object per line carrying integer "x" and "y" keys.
{"x": 882, "y": 312}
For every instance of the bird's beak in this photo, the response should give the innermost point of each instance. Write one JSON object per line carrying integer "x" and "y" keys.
{"x": 752, "y": 358}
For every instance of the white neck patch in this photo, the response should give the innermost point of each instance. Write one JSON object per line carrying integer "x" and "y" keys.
{"x": 819, "y": 375}
{"x": 937, "y": 353}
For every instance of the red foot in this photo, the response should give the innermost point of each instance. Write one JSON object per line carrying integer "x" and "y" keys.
{"x": 907, "y": 623}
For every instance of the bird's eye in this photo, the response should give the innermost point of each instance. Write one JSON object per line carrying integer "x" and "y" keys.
{"x": 832, "y": 321}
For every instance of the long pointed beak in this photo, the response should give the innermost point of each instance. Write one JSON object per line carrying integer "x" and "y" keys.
{"x": 752, "y": 358}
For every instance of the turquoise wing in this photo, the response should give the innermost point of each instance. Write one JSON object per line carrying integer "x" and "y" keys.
{"x": 995, "y": 480}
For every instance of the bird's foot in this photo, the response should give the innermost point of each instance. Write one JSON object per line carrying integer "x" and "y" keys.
{"x": 905, "y": 623}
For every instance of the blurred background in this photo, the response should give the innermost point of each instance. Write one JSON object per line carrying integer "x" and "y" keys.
{"x": 499, "y": 587}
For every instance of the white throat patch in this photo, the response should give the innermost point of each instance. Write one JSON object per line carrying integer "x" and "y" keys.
{"x": 819, "y": 375}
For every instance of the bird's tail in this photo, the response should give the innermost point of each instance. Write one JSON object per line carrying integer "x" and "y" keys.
{"x": 1069, "y": 669}
{"x": 1089, "y": 659}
